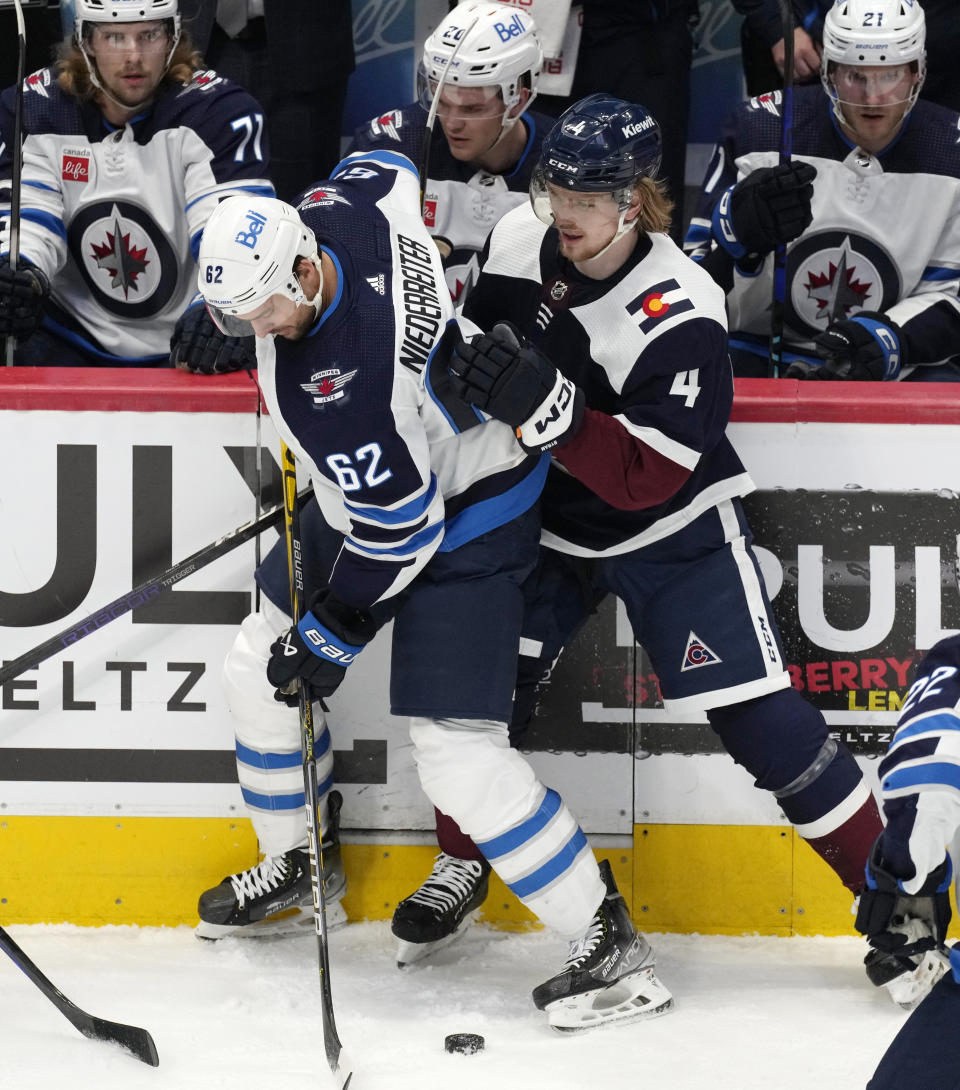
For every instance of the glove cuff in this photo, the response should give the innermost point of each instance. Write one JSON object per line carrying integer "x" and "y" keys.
{"x": 889, "y": 336}
{"x": 320, "y": 641}
{"x": 723, "y": 230}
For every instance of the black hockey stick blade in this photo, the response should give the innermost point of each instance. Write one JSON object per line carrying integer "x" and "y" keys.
{"x": 144, "y": 592}
{"x": 134, "y": 1039}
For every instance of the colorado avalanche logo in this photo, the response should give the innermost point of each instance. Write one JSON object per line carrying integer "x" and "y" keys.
{"x": 125, "y": 259}
{"x": 327, "y": 385}
{"x": 698, "y": 654}
{"x": 835, "y": 275}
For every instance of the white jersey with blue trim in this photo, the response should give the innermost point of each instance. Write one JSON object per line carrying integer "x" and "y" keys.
{"x": 461, "y": 202}
{"x": 113, "y": 216}
{"x": 920, "y": 775}
{"x": 885, "y": 234}
{"x": 400, "y": 466}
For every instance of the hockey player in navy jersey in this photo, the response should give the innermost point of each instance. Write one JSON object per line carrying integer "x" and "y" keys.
{"x": 608, "y": 348}
{"x": 129, "y": 146}
{"x": 480, "y": 161}
{"x": 429, "y": 516}
{"x": 869, "y": 204}
{"x": 905, "y": 910}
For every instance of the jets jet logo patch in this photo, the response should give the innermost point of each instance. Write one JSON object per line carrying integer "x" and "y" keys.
{"x": 698, "y": 654}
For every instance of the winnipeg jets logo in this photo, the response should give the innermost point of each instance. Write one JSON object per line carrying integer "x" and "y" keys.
{"x": 39, "y": 82}
{"x": 327, "y": 385}
{"x": 378, "y": 284}
{"x": 836, "y": 291}
{"x": 769, "y": 102}
{"x": 698, "y": 654}
{"x": 322, "y": 196}
{"x": 122, "y": 260}
{"x": 387, "y": 124}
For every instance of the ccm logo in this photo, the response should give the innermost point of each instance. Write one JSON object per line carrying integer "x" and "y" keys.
{"x": 76, "y": 168}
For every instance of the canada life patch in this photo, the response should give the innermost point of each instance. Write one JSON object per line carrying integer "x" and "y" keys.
{"x": 430, "y": 213}
{"x": 75, "y": 168}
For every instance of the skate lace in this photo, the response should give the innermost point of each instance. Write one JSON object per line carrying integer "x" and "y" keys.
{"x": 582, "y": 948}
{"x": 451, "y": 882}
{"x": 264, "y": 878}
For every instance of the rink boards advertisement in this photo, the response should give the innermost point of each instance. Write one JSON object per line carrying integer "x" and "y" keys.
{"x": 855, "y": 523}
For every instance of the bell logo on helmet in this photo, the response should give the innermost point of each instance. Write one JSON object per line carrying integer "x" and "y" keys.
{"x": 513, "y": 29}
{"x": 255, "y": 225}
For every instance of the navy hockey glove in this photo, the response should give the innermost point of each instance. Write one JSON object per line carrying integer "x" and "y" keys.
{"x": 508, "y": 378}
{"x": 901, "y": 927}
{"x": 23, "y": 291}
{"x": 769, "y": 207}
{"x": 198, "y": 346}
{"x": 319, "y": 649}
{"x": 868, "y": 347}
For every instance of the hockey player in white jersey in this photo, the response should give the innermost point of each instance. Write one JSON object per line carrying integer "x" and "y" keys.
{"x": 429, "y": 517}
{"x": 905, "y": 910}
{"x": 128, "y": 147}
{"x": 480, "y": 161}
{"x": 608, "y": 348}
{"x": 869, "y": 204}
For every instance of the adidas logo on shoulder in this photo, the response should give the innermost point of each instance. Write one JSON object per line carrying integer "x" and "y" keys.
{"x": 378, "y": 283}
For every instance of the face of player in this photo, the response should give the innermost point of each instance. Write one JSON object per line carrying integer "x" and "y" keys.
{"x": 131, "y": 59}
{"x": 471, "y": 119}
{"x": 874, "y": 100}
{"x": 586, "y": 222}
{"x": 281, "y": 316}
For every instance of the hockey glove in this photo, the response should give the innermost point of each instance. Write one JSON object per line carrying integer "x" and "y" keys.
{"x": 319, "y": 649}
{"x": 769, "y": 207}
{"x": 902, "y": 927}
{"x": 511, "y": 380}
{"x": 198, "y": 346}
{"x": 868, "y": 347}
{"x": 23, "y": 291}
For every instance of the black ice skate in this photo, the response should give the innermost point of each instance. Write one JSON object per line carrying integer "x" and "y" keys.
{"x": 608, "y": 975}
{"x": 276, "y": 896}
{"x": 441, "y": 908}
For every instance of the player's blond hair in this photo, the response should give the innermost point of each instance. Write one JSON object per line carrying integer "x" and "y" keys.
{"x": 657, "y": 207}
{"x": 74, "y": 76}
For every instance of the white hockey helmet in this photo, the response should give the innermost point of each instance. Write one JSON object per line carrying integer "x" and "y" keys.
{"x": 124, "y": 11}
{"x": 248, "y": 252}
{"x": 874, "y": 33}
{"x": 495, "y": 47}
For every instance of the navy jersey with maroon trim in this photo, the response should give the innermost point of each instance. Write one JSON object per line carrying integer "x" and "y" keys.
{"x": 648, "y": 347}
{"x": 399, "y": 466}
{"x": 462, "y": 202}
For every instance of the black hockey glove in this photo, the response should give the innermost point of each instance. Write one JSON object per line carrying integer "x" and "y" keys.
{"x": 511, "y": 380}
{"x": 868, "y": 347}
{"x": 769, "y": 207}
{"x": 23, "y": 291}
{"x": 198, "y": 346}
{"x": 902, "y": 927}
{"x": 319, "y": 649}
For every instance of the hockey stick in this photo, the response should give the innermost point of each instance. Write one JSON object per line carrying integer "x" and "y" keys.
{"x": 340, "y": 1065}
{"x": 432, "y": 114}
{"x": 786, "y": 150}
{"x": 135, "y": 1040}
{"x": 141, "y": 593}
{"x": 16, "y": 158}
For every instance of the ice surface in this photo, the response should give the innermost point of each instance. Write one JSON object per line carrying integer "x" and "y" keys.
{"x": 794, "y": 1014}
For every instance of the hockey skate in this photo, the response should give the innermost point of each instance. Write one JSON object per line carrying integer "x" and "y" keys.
{"x": 608, "y": 975}
{"x": 275, "y": 897}
{"x": 907, "y": 987}
{"x": 441, "y": 908}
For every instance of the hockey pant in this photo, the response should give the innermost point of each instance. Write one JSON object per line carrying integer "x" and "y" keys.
{"x": 269, "y": 759}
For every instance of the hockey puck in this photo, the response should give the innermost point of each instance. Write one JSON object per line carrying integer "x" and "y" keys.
{"x": 465, "y": 1043}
